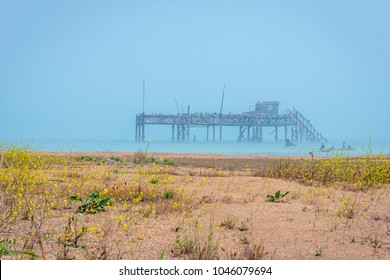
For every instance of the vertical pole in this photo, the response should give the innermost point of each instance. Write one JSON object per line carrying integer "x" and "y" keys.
{"x": 276, "y": 133}
{"x": 300, "y": 133}
{"x": 248, "y": 133}
{"x": 261, "y": 133}
{"x": 292, "y": 134}
{"x": 139, "y": 132}
{"x": 136, "y": 128}
{"x": 188, "y": 123}
{"x": 143, "y": 131}
{"x": 173, "y": 133}
{"x": 143, "y": 97}
{"x": 220, "y": 133}
{"x": 178, "y": 133}
{"x": 207, "y": 138}
{"x": 285, "y": 133}
{"x": 142, "y": 127}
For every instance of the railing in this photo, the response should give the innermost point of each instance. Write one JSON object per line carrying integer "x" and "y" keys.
{"x": 304, "y": 127}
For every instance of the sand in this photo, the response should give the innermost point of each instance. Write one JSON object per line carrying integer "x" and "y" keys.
{"x": 231, "y": 215}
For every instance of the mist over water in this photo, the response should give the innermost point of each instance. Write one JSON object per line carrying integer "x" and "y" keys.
{"x": 231, "y": 148}
{"x": 75, "y": 70}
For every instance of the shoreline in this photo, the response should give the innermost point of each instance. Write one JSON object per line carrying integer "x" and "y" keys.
{"x": 179, "y": 155}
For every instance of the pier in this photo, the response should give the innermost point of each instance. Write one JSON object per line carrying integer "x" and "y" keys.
{"x": 292, "y": 124}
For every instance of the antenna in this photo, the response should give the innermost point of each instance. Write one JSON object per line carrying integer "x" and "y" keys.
{"x": 177, "y": 107}
{"x": 143, "y": 97}
{"x": 223, "y": 96}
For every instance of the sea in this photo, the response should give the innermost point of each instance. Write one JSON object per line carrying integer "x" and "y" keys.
{"x": 231, "y": 148}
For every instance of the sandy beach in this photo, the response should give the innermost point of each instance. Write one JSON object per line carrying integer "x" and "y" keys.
{"x": 202, "y": 206}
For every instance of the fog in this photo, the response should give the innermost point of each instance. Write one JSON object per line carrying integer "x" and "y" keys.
{"x": 74, "y": 69}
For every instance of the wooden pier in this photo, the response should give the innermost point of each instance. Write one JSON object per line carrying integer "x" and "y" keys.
{"x": 250, "y": 124}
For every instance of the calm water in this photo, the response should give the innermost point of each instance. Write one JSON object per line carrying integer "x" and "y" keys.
{"x": 226, "y": 148}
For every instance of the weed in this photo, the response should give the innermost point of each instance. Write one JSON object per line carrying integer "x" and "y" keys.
{"x": 243, "y": 226}
{"x": 349, "y": 207}
{"x": 93, "y": 203}
{"x": 4, "y": 249}
{"x": 167, "y": 161}
{"x": 278, "y": 197}
{"x": 244, "y": 240}
{"x": 355, "y": 173}
{"x": 141, "y": 157}
{"x": 228, "y": 223}
{"x": 87, "y": 158}
{"x": 319, "y": 252}
{"x": 199, "y": 244}
{"x": 154, "y": 180}
{"x": 162, "y": 255}
{"x": 255, "y": 252}
{"x": 352, "y": 239}
{"x": 168, "y": 193}
{"x": 375, "y": 242}
{"x": 117, "y": 159}
{"x": 70, "y": 238}
{"x": 227, "y": 199}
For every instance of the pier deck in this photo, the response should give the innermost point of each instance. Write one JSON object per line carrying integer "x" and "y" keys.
{"x": 250, "y": 125}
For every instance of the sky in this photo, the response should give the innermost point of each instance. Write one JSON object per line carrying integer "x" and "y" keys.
{"x": 74, "y": 69}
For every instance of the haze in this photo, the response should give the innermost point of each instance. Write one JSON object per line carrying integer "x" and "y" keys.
{"x": 74, "y": 69}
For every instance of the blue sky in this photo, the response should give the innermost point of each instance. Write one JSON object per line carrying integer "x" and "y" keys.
{"x": 74, "y": 69}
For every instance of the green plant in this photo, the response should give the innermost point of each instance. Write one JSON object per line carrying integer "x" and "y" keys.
{"x": 198, "y": 244}
{"x": 86, "y": 158}
{"x": 277, "y": 197}
{"x": 162, "y": 255}
{"x": 93, "y": 203}
{"x": 72, "y": 234}
{"x": 117, "y": 159}
{"x": 319, "y": 252}
{"x": 244, "y": 240}
{"x": 228, "y": 223}
{"x": 154, "y": 180}
{"x": 255, "y": 252}
{"x": 243, "y": 226}
{"x": 141, "y": 157}
{"x": 5, "y": 249}
{"x": 168, "y": 162}
{"x": 168, "y": 194}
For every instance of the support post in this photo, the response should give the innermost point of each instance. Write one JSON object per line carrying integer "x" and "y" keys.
{"x": 285, "y": 133}
{"x": 261, "y": 133}
{"x": 300, "y": 133}
{"x": 241, "y": 133}
{"x": 276, "y": 133}
{"x": 136, "y": 128}
{"x": 178, "y": 133}
{"x": 139, "y": 133}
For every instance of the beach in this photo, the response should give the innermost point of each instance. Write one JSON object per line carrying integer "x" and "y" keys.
{"x": 195, "y": 206}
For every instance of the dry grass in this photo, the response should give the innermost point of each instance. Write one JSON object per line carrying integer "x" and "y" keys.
{"x": 179, "y": 206}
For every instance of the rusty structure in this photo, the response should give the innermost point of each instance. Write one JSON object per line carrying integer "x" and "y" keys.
{"x": 250, "y": 124}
